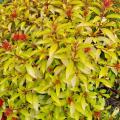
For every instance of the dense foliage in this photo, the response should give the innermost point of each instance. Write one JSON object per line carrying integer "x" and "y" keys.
{"x": 59, "y": 59}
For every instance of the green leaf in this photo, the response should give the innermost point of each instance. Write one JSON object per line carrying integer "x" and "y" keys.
{"x": 72, "y": 110}
{"x": 53, "y": 49}
{"x": 30, "y": 71}
{"x": 40, "y": 33}
{"x": 77, "y": 2}
{"x": 69, "y": 70}
{"x": 55, "y": 98}
{"x": 58, "y": 69}
{"x": 109, "y": 33}
{"x": 42, "y": 87}
{"x": 57, "y": 89}
{"x": 116, "y": 16}
{"x": 25, "y": 113}
{"x": 7, "y": 64}
{"x": 50, "y": 60}
{"x": 83, "y": 103}
{"x": 95, "y": 10}
{"x": 43, "y": 66}
{"x": 115, "y": 112}
{"x": 33, "y": 99}
{"x": 107, "y": 83}
{"x": 103, "y": 72}
{"x": 35, "y": 102}
{"x": 79, "y": 108}
{"x": 29, "y": 98}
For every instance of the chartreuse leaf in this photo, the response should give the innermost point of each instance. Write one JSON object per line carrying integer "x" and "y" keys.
{"x": 28, "y": 78}
{"x": 115, "y": 112}
{"x": 14, "y": 80}
{"x": 85, "y": 24}
{"x": 53, "y": 49}
{"x": 55, "y": 98}
{"x": 57, "y": 89}
{"x": 84, "y": 80}
{"x": 35, "y": 102}
{"x": 57, "y": 2}
{"x": 7, "y": 64}
{"x": 26, "y": 114}
{"x": 103, "y": 72}
{"x": 85, "y": 60}
{"x": 30, "y": 70}
{"x": 72, "y": 109}
{"x": 58, "y": 69}
{"x": 95, "y": 19}
{"x": 33, "y": 99}
{"x": 12, "y": 100}
{"x": 116, "y": 16}
{"x": 109, "y": 33}
{"x": 58, "y": 113}
{"x": 29, "y": 98}
{"x": 83, "y": 102}
{"x": 79, "y": 108}
{"x": 43, "y": 66}
{"x": 95, "y": 10}
{"x": 69, "y": 70}
{"x": 106, "y": 82}
{"x": 40, "y": 33}
{"x": 49, "y": 62}
{"x": 88, "y": 113}
{"x": 77, "y": 2}
{"x": 42, "y": 87}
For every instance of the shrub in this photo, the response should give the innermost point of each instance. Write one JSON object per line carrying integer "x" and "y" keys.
{"x": 59, "y": 59}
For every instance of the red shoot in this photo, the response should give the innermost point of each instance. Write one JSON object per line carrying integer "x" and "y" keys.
{"x": 22, "y": 37}
{"x": 3, "y": 117}
{"x": 15, "y": 37}
{"x": 6, "y": 45}
{"x": 14, "y": 14}
{"x": 1, "y": 102}
{"x": 87, "y": 49}
{"x": 8, "y": 111}
{"x": 97, "y": 114}
{"x": 117, "y": 66}
{"x": 69, "y": 100}
{"x": 107, "y": 3}
{"x": 14, "y": 118}
{"x": 69, "y": 12}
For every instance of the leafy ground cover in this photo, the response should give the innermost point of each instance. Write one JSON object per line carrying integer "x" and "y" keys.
{"x": 60, "y": 60}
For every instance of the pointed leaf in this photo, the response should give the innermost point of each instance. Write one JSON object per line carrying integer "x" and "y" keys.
{"x": 30, "y": 70}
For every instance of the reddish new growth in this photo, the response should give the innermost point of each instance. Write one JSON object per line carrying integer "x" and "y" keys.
{"x": 15, "y": 37}
{"x": 69, "y": 12}
{"x": 117, "y": 66}
{"x": 69, "y": 100}
{"x": 54, "y": 27}
{"x": 85, "y": 12}
{"x": 21, "y": 36}
{"x": 57, "y": 82}
{"x": 97, "y": 114}
{"x": 107, "y": 3}
{"x": 46, "y": 5}
{"x": 86, "y": 50}
{"x": 6, "y": 45}
{"x": 14, "y": 118}
{"x": 14, "y": 14}
{"x": 1, "y": 102}
{"x": 49, "y": 69}
{"x": 8, "y": 111}
{"x": 3, "y": 117}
